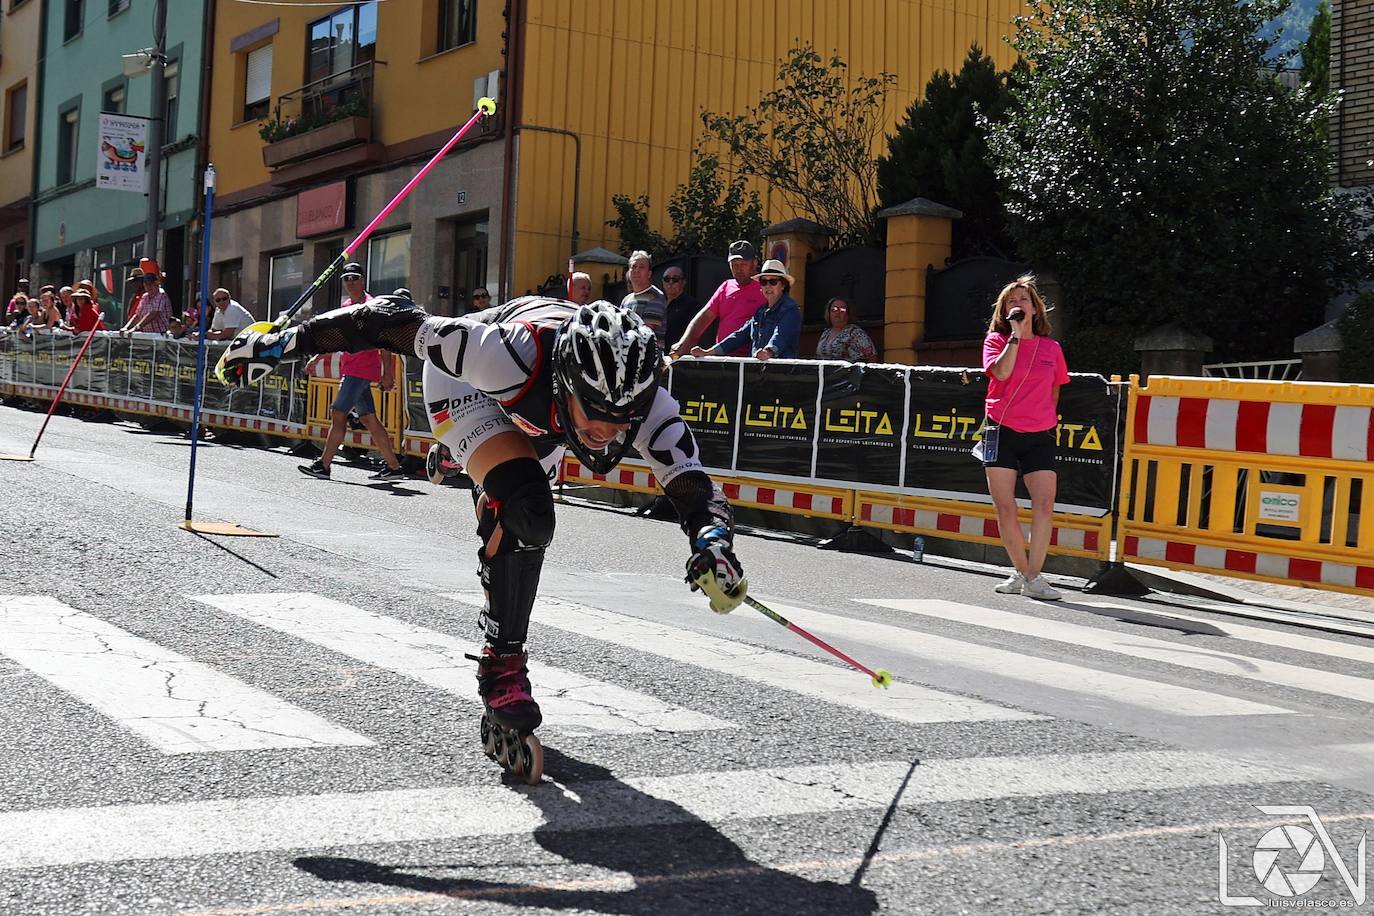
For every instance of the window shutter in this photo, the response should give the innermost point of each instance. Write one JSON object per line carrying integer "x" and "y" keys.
{"x": 258, "y": 85}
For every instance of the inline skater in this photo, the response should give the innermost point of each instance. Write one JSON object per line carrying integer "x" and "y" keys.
{"x": 507, "y": 390}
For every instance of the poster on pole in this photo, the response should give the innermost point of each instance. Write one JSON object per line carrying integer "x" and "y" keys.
{"x": 122, "y": 163}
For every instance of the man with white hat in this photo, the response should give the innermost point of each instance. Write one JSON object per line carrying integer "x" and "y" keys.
{"x": 775, "y": 329}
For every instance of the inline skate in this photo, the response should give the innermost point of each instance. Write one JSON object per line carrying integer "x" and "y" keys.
{"x": 510, "y": 714}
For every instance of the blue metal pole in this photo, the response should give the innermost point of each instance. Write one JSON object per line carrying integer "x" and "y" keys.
{"x": 200, "y": 345}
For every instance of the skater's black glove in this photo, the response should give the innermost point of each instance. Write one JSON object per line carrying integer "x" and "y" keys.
{"x": 714, "y": 569}
{"x": 255, "y": 352}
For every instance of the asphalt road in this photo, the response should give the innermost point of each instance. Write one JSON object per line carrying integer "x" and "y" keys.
{"x": 279, "y": 725}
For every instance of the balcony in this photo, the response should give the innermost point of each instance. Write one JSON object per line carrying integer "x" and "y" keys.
{"x": 322, "y": 127}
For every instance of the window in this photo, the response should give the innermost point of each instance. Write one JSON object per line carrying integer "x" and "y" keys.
{"x": 113, "y": 101}
{"x": 286, "y": 279}
{"x": 342, "y": 41}
{"x": 171, "y": 78}
{"x": 388, "y": 262}
{"x": 67, "y": 123}
{"x": 16, "y": 116}
{"x": 257, "y": 84}
{"x": 457, "y": 23}
{"x": 76, "y": 15}
{"x": 118, "y": 6}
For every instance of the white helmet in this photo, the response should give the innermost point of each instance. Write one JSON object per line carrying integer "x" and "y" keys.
{"x": 610, "y": 360}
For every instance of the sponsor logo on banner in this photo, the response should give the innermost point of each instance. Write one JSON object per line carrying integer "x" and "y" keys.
{"x": 778, "y": 415}
{"x": 1280, "y": 506}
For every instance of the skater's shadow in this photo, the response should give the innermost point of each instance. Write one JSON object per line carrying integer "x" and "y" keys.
{"x": 678, "y": 863}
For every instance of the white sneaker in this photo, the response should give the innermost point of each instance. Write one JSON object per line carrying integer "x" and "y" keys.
{"x": 1012, "y": 586}
{"x": 1039, "y": 588}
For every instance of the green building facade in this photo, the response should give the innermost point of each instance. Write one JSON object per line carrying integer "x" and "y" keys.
{"x": 83, "y": 231}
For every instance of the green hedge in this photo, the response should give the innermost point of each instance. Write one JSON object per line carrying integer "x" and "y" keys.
{"x": 1357, "y": 340}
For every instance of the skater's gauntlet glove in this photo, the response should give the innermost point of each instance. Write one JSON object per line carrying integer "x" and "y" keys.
{"x": 716, "y": 571}
{"x": 256, "y": 351}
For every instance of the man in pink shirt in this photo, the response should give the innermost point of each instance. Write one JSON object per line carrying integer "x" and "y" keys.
{"x": 734, "y": 302}
{"x": 359, "y": 371}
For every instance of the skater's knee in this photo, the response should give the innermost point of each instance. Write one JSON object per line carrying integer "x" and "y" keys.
{"x": 519, "y": 496}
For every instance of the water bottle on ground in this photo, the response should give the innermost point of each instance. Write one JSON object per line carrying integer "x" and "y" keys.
{"x": 918, "y": 549}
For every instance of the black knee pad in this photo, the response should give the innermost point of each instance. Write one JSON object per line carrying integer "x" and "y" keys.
{"x": 518, "y": 493}
{"x": 519, "y": 501}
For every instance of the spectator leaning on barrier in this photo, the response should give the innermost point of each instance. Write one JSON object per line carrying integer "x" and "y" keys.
{"x": 84, "y": 315}
{"x": 229, "y": 317}
{"x": 580, "y": 288}
{"x": 358, "y": 370}
{"x": 64, "y": 303}
{"x": 481, "y": 299}
{"x": 154, "y": 315}
{"x": 733, "y": 303}
{"x": 1025, "y": 368}
{"x": 775, "y": 329}
{"x": 646, "y": 299}
{"x": 17, "y": 312}
{"x": 47, "y": 316}
{"x": 842, "y": 340}
{"x": 681, "y": 308}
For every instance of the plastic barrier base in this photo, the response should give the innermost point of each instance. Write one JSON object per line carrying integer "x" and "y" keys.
{"x": 856, "y": 540}
{"x": 1116, "y": 580}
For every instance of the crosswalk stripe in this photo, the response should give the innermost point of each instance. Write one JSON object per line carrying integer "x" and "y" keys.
{"x": 903, "y": 701}
{"x": 1313, "y": 644}
{"x": 573, "y": 704}
{"x": 178, "y": 705}
{"x": 1020, "y": 666}
{"x": 1197, "y": 657}
{"x": 69, "y": 836}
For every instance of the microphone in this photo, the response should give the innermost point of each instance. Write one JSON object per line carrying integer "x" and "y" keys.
{"x": 1016, "y": 315}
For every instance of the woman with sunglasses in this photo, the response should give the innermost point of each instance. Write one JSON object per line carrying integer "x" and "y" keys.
{"x": 842, "y": 340}
{"x": 775, "y": 329}
{"x": 508, "y": 390}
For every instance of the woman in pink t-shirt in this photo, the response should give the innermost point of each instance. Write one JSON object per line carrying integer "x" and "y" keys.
{"x": 1025, "y": 368}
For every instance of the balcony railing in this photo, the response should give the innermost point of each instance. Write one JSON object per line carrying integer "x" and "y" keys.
{"x": 319, "y": 117}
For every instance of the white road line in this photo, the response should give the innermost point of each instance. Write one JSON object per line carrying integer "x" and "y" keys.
{"x": 1198, "y": 656}
{"x": 1020, "y": 666}
{"x": 573, "y": 704}
{"x": 68, "y": 836}
{"x": 1355, "y": 652}
{"x": 903, "y": 702}
{"x": 178, "y": 705}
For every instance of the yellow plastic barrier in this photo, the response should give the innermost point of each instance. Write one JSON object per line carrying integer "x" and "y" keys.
{"x": 1252, "y": 479}
{"x": 323, "y": 388}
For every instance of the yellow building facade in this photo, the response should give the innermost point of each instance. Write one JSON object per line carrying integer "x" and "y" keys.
{"x": 20, "y": 36}
{"x": 597, "y": 98}
{"x": 632, "y": 78}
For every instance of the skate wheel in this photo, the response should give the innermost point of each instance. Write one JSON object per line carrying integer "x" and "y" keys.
{"x": 515, "y": 754}
{"x": 531, "y": 754}
{"x": 488, "y": 738}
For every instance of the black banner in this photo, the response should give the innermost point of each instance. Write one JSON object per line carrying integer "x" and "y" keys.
{"x": 861, "y": 424}
{"x": 708, "y": 394}
{"x": 778, "y": 418}
{"x": 942, "y": 428}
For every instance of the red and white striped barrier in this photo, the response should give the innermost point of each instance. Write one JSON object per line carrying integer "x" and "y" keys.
{"x": 972, "y": 525}
{"x": 1263, "y": 427}
{"x": 1248, "y": 563}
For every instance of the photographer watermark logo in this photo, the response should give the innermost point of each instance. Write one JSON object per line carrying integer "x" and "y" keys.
{"x": 1290, "y": 860}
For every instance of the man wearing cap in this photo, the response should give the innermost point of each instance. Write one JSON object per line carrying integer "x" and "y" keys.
{"x": 734, "y": 302}
{"x": 154, "y": 315}
{"x": 775, "y": 329}
{"x": 358, "y": 370}
{"x": 229, "y": 318}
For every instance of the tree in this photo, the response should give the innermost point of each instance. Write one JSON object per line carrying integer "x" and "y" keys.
{"x": 1155, "y": 169}
{"x": 811, "y": 139}
{"x": 1316, "y": 53}
{"x": 940, "y": 152}
{"x": 708, "y": 212}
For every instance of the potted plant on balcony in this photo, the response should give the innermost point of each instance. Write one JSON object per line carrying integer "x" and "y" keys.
{"x": 311, "y": 134}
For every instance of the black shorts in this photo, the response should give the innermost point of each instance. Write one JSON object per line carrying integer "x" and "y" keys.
{"x": 1024, "y": 452}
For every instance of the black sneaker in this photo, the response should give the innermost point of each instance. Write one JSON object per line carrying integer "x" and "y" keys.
{"x": 388, "y": 474}
{"x": 315, "y": 468}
